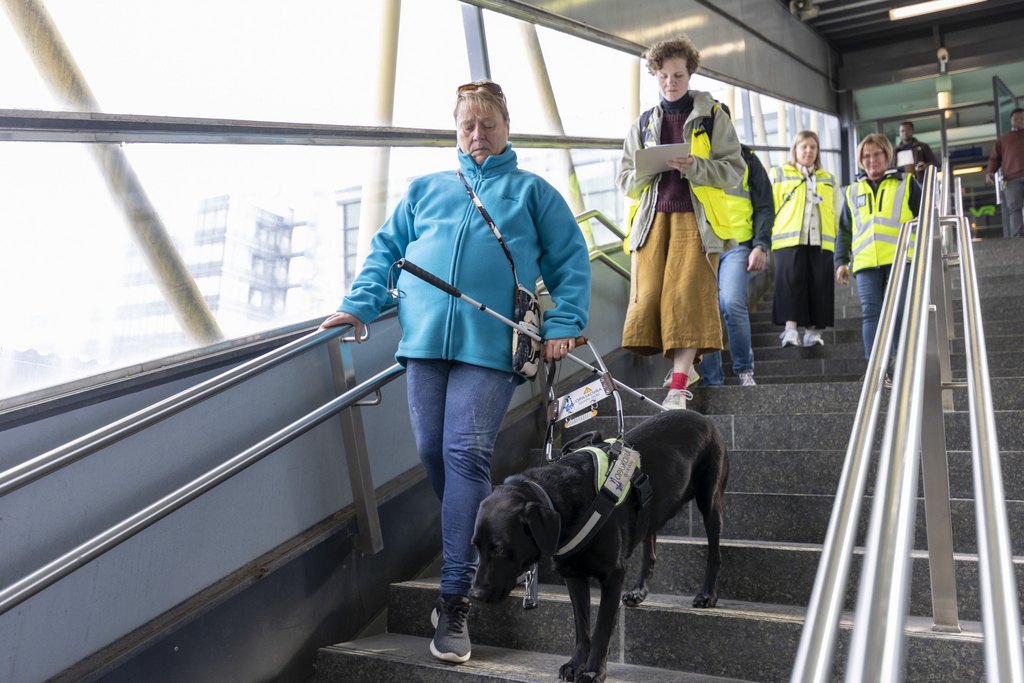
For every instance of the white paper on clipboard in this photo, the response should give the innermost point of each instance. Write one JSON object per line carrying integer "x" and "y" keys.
{"x": 905, "y": 157}
{"x": 650, "y": 160}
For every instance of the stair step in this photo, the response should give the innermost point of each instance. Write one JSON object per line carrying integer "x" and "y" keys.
{"x": 680, "y": 569}
{"x": 812, "y": 431}
{"x": 394, "y": 656}
{"x": 737, "y": 639}
{"x": 789, "y": 518}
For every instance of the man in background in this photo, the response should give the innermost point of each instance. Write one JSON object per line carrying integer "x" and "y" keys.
{"x": 1008, "y": 155}
{"x": 923, "y": 156}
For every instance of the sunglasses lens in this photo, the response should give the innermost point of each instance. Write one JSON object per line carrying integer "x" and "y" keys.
{"x": 492, "y": 88}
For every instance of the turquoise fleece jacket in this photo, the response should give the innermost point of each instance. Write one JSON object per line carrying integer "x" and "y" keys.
{"x": 437, "y": 227}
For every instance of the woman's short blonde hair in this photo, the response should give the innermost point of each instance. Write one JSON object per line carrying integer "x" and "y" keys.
{"x": 680, "y": 46}
{"x": 484, "y": 92}
{"x": 879, "y": 140}
{"x": 800, "y": 137}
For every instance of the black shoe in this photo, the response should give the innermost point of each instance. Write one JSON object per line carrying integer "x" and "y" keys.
{"x": 451, "y": 639}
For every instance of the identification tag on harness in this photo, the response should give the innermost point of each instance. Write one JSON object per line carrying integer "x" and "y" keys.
{"x": 622, "y": 471}
{"x": 579, "y": 419}
{"x": 581, "y": 398}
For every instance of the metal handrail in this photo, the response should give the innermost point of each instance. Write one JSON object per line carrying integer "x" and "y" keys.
{"x": 598, "y": 255}
{"x": 821, "y": 627}
{"x": 62, "y": 456}
{"x": 878, "y": 640}
{"x": 603, "y": 220}
{"x": 81, "y": 555}
{"x": 877, "y": 644}
{"x": 1000, "y": 613}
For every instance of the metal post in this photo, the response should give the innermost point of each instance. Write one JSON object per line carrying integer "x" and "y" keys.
{"x": 364, "y": 498}
{"x": 938, "y": 518}
{"x": 56, "y": 64}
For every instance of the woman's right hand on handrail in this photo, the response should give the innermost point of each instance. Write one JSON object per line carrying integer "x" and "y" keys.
{"x": 342, "y": 318}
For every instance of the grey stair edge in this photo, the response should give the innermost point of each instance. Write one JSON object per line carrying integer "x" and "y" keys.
{"x": 700, "y": 542}
{"x": 501, "y": 664}
{"x": 730, "y": 609}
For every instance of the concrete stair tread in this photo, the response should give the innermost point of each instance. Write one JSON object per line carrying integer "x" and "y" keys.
{"x": 408, "y": 658}
{"x": 554, "y": 593}
{"x": 700, "y": 543}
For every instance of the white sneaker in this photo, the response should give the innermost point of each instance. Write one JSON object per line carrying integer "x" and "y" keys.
{"x": 692, "y": 378}
{"x": 812, "y": 337}
{"x": 676, "y": 399}
{"x": 747, "y": 379}
{"x": 790, "y": 337}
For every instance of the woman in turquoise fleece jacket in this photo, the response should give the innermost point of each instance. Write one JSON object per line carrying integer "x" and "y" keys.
{"x": 459, "y": 360}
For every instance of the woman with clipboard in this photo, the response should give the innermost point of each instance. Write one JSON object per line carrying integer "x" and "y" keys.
{"x": 676, "y": 226}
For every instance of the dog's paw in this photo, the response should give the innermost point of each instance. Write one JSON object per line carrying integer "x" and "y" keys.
{"x": 634, "y": 597}
{"x": 590, "y": 677}
{"x": 703, "y": 600}
{"x": 567, "y": 672}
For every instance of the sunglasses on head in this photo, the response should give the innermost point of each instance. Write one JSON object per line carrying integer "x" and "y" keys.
{"x": 490, "y": 87}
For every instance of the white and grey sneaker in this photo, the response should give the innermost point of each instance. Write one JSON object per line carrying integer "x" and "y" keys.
{"x": 676, "y": 399}
{"x": 790, "y": 337}
{"x": 451, "y": 639}
{"x": 747, "y": 379}
{"x": 812, "y": 337}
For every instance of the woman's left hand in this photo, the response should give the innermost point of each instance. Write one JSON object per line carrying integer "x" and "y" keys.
{"x": 757, "y": 260}
{"x": 557, "y": 349}
{"x": 681, "y": 164}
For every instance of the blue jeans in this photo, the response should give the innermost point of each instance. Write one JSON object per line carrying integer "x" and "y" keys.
{"x": 456, "y": 410}
{"x": 871, "y": 286}
{"x": 732, "y": 302}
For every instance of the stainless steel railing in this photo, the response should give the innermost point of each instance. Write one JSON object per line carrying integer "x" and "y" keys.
{"x": 365, "y": 500}
{"x": 62, "y": 456}
{"x": 921, "y": 391}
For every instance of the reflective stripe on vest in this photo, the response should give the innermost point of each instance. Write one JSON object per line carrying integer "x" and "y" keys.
{"x": 877, "y": 217}
{"x": 790, "y": 199}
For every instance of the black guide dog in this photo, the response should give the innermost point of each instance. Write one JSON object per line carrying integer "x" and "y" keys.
{"x": 684, "y": 457}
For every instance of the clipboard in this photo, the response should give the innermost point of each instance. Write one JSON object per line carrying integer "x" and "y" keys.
{"x": 905, "y": 158}
{"x": 650, "y": 160}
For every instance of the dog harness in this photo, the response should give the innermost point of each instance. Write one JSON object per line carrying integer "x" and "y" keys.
{"x": 616, "y": 473}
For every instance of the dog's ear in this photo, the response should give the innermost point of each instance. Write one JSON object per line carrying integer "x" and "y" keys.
{"x": 544, "y": 525}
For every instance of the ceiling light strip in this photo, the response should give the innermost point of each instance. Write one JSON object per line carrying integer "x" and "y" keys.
{"x": 920, "y": 8}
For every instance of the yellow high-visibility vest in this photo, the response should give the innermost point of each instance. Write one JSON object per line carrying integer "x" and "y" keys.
{"x": 877, "y": 217}
{"x": 790, "y": 202}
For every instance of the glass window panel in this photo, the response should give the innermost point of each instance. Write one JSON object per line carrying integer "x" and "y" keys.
{"x": 583, "y": 114}
{"x": 432, "y": 64}
{"x": 88, "y": 302}
{"x": 268, "y": 61}
{"x": 510, "y": 67}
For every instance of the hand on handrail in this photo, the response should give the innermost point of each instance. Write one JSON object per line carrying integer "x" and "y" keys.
{"x": 362, "y": 331}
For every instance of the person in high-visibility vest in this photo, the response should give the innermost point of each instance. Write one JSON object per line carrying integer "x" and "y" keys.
{"x": 803, "y": 239}
{"x": 752, "y": 213}
{"x": 877, "y": 204}
{"x": 674, "y": 232}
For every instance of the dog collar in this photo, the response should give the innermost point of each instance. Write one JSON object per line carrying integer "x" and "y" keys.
{"x": 543, "y": 494}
